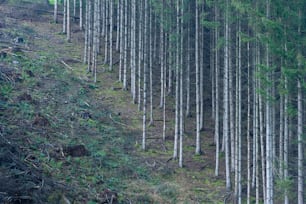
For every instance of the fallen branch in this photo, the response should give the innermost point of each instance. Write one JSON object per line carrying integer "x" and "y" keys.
{"x": 227, "y": 197}
{"x": 110, "y": 116}
{"x": 164, "y": 147}
{"x": 151, "y": 165}
{"x": 66, "y": 65}
{"x": 169, "y": 159}
{"x": 8, "y": 51}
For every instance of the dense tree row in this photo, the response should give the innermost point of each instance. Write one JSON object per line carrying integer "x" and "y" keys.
{"x": 248, "y": 57}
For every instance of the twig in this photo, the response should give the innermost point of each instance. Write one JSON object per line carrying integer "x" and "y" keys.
{"x": 164, "y": 147}
{"x": 161, "y": 163}
{"x": 64, "y": 63}
{"x": 169, "y": 159}
{"x": 227, "y": 196}
{"x": 151, "y": 165}
{"x": 110, "y": 116}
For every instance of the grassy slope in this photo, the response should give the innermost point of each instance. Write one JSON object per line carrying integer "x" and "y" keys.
{"x": 66, "y": 98}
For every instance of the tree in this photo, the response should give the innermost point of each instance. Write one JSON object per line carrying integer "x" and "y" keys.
{"x": 55, "y": 11}
{"x": 216, "y": 117}
{"x": 225, "y": 98}
{"x": 133, "y": 51}
{"x": 181, "y": 43}
{"x": 121, "y": 50}
{"x": 300, "y": 124}
{"x": 96, "y": 24}
{"x": 260, "y": 81}
{"x": 198, "y": 122}
{"x": 125, "y": 62}
{"x": 177, "y": 85}
{"x": 65, "y": 16}
{"x": 81, "y": 14}
{"x": 106, "y": 29}
{"x": 145, "y": 68}
{"x": 68, "y": 30}
{"x": 140, "y": 50}
{"x": 151, "y": 32}
{"x": 111, "y": 35}
{"x": 269, "y": 155}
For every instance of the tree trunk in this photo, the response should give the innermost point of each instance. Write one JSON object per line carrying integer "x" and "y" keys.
{"x": 118, "y": 25}
{"x": 232, "y": 121}
{"x": 225, "y": 99}
{"x": 111, "y": 35}
{"x": 133, "y": 52}
{"x": 286, "y": 141}
{"x": 121, "y": 39}
{"x": 106, "y": 29}
{"x": 146, "y": 22}
{"x": 188, "y": 70}
{"x": 140, "y": 51}
{"x": 68, "y": 22}
{"x": 95, "y": 38}
{"x": 177, "y": 77}
{"x": 197, "y": 60}
{"x": 125, "y": 64}
{"x": 81, "y": 14}
{"x": 90, "y": 34}
{"x": 216, "y": 117}
{"x": 55, "y": 11}
{"x": 65, "y": 16}
{"x": 181, "y": 85}
{"x": 161, "y": 56}
{"x": 248, "y": 124}
{"x": 151, "y": 65}
{"x": 74, "y": 9}
{"x": 86, "y": 39}
{"x": 269, "y": 141}
{"x": 300, "y": 126}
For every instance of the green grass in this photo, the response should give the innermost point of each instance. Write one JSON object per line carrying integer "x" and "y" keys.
{"x": 115, "y": 161}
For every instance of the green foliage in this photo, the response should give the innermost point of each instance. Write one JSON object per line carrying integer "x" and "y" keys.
{"x": 145, "y": 199}
{"x": 6, "y": 89}
{"x": 56, "y": 164}
{"x": 169, "y": 191}
{"x": 220, "y": 43}
{"x": 208, "y": 24}
{"x": 284, "y": 184}
{"x": 91, "y": 202}
{"x": 241, "y": 7}
{"x": 26, "y": 109}
{"x": 100, "y": 154}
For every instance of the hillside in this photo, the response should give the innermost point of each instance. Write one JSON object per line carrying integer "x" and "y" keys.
{"x": 66, "y": 139}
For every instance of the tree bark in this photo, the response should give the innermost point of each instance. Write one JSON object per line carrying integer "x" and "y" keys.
{"x": 197, "y": 61}
{"x": 68, "y": 22}
{"x": 146, "y": 22}
{"x": 55, "y": 11}
{"x": 225, "y": 99}
{"x": 216, "y": 117}
{"x": 81, "y": 14}
{"x": 65, "y": 16}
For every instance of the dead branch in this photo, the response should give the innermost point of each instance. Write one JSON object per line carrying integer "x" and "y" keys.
{"x": 66, "y": 65}
{"x": 110, "y": 116}
{"x": 151, "y": 165}
{"x": 169, "y": 159}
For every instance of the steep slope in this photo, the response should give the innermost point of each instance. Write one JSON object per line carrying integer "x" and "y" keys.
{"x": 67, "y": 138}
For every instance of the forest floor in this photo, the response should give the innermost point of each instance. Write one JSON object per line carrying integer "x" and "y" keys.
{"x": 65, "y": 139}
